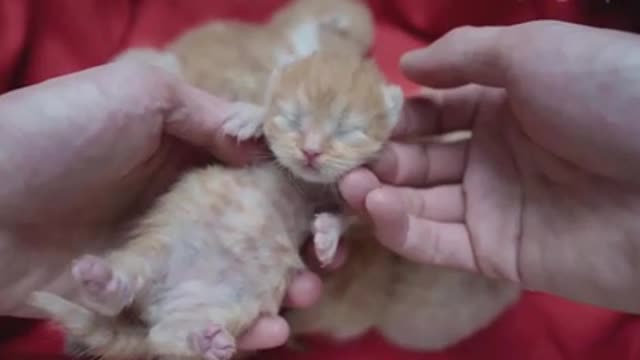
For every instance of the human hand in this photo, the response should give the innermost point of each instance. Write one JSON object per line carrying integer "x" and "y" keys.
{"x": 83, "y": 153}
{"x": 544, "y": 193}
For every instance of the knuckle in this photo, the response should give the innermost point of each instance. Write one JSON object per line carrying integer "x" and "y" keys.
{"x": 425, "y": 168}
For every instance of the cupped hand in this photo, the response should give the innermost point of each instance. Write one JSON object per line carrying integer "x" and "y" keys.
{"x": 546, "y": 192}
{"x": 80, "y": 155}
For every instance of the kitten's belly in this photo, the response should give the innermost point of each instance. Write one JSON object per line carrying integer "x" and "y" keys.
{"x": 237, "y": 230}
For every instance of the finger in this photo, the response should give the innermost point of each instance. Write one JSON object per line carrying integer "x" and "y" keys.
{"x": 439, "y": 111}
{"x": 304, "y": 290}
{"x": 419, "y": 239}
{"x": 442, "y": 203}
{"x": 463, "y": 56}
{"x": 198, "y": 120}
{"x": 266, "y": 333}
{"x": 421, "y": 164}
{"x": 419, "y": 117}
{"x": 355, "y": 186}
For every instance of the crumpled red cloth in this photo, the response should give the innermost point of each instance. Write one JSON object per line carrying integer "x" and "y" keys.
{"x": 41, "y": 39}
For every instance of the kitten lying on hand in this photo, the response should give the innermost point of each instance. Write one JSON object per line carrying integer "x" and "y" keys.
{"x": 219, "y": 248}
{"x": 414, "y": 306}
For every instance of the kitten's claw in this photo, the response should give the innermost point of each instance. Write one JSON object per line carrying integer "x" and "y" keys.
{"x": 327, "y": 230}
{"x": 103, "y": 291}
{"x": 213, "y": 343}
{"x": 243, "y": 121}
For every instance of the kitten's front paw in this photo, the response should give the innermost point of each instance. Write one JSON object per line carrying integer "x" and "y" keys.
{"x": 103, "y": 291}
{"x": 327, "y": 229}
{"x": 213, "y": 343}
{"x": 243, "y": 121}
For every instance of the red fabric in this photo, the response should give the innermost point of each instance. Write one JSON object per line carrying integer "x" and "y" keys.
{"x": 42, "y": 39}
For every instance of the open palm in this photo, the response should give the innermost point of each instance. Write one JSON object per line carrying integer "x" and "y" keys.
{"x": 543, "y": 193}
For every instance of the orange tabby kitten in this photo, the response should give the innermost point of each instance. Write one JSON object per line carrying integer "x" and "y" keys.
{"x": 234, "y": 59}
{"x": 414, "y": 306}
{"x": 218, "y": 249}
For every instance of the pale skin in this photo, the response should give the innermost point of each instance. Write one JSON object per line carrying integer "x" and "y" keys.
{"x": 80, "y": 155}
{"x": 547, "y": 191}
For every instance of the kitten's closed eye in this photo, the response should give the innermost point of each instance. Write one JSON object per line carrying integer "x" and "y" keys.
{"x": 350, "y": 134}
{"x": 290, "y": 117}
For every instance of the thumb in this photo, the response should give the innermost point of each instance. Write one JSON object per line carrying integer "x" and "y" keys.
{"x": 464, "y": 55}
{"x": 197, "y": 119}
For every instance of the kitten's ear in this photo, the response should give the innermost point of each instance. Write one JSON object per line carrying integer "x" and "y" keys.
{"x": 393, "y": 100}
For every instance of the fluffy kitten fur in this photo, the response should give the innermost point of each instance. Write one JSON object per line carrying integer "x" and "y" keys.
{"x": 416, "y": 306}
{"x": 234, "y": 59}
{"x": 219, "y": 248}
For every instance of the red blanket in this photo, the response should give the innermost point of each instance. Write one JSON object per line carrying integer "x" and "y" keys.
{"x": 40, "y": 39}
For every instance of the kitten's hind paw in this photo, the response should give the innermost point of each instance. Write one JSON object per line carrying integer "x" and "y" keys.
{"x": 327, "y": 230}
{"x": 243, "y": 121}
{"x": 104, "y": 291}
{"x": 213, "y": 343}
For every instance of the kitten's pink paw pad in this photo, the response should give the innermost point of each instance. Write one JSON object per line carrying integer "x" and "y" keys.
{"x": 213, "y": 343}
{"x": 327, "y": 230}
{"x": 92, "y": 273}
{"x": 105, "y": 292}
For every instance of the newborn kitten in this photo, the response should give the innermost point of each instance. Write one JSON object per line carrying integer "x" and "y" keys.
{"x": 414, "y": 306}
{"x": 234, "y": 60}
{"x": 424, "y": 307}
{"x": 345, "y": 25}
{"x": 220, "y": 247}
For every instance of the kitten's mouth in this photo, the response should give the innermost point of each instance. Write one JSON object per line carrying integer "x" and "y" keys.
{"x": 311, "y": 174}
{"x": 309, "y": 169}
{"x": 310, "y": 166}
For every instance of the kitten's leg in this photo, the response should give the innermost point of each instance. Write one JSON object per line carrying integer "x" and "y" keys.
{"x": 110, "y": 284}
{"x": 244, "y": 120}
{"x": 204, "y": 319}
{"x": 103, "y": 291}
{"x": 91, "y": 333}
{"x": 208, "y": 332}
{"x": 192, "y": 338}
{"x": 212, "y": 342}
{"x": 327, "y": 229}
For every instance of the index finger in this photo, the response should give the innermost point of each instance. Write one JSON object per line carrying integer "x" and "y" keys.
{"x": 437, "y": 112}
{"x": 198, "y": 120}
{"x": 463, "y": 56}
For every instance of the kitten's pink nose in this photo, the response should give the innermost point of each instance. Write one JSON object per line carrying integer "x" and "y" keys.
{"x": 310, "y": 156}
